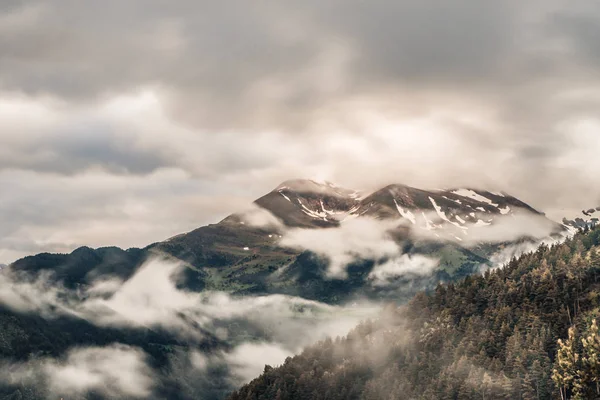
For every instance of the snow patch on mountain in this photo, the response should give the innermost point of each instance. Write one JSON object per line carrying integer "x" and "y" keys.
{"x": 284, "y": 196}
{"x": 312, "y": 213}
{"x": 474, "y": 195}
{"x": 442, "y": 214}
{"x": 406, "y": 213}
{"x": 457, "y": 201}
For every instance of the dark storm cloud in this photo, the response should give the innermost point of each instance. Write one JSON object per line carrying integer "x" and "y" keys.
{"x": 84, "y": 147}
{"x": 216, "y": 59}
{"x": 217, "y": 53}
{"x": 205, "y": 52}
{"x": 265, "y": 65}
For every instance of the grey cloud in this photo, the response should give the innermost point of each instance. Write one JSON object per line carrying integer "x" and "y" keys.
{"x": 93, "y": 145}
{"x": 218, "y": 54}
{"x": 250, "y": 94}
{"x": 416, "y": 42}
{"x": 217, "y": 59}
{"x": 205, "y": 53}
{"x": 84, "y": 148}
{"x": 578, "y": 24}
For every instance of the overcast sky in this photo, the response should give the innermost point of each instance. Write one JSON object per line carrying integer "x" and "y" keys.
{"x": 126, "y": 122}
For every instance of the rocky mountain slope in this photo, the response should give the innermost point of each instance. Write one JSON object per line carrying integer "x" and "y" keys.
{"x": 305, "y": 203}
{"x": 244, "y": 252}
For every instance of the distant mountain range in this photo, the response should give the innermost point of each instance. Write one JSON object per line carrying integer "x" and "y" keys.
{"x": 243, "y": 254}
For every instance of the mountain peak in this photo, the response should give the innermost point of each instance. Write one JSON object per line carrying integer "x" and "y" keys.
{"x": 307, "y": 185}
{"x": 310, "y": 203}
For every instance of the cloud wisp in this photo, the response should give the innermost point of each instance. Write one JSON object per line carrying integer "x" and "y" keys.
{"x": 403, "y": 266}
{"x": 151, "y": 298}
{"x": 366, "y": 238}
{"x": 283, "y": 325}
{"x": 360, "y": 238}
{"x": 115, "y": 371}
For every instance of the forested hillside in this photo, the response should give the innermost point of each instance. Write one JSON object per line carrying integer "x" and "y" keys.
{"x": 526, "y": 331}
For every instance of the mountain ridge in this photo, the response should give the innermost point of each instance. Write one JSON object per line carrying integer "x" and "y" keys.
{"x": 344, "y": 203}
{"x": 238, "y": 255}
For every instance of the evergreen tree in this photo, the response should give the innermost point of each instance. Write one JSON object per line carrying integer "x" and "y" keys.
{"x": 566, "y": 371}
{"x": 591, "y": 355}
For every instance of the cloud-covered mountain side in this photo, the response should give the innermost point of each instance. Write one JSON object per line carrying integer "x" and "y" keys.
{"x": 145, "y": 337}
{"x": 326, "y": 243}
{"x": 199, "y": 314}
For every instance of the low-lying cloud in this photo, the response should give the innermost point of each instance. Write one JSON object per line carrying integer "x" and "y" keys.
{"x": 259, "y": 217}
{"x": 509, "y": 252}
{"x": 280, "y": 325}
{"x": 115, "y": 371}
{"x": 248, "y": 360}
{"x": 406, "y": 265}
{"x": 488, "y": 228}
{"x": 359, "y": 238}
{"x": 365, "y": 238}
{"x": 151, "y": 298}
